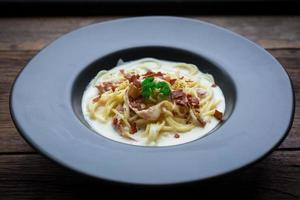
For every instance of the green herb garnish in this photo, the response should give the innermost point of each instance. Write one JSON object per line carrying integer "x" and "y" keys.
{"x": 149, "y": 87}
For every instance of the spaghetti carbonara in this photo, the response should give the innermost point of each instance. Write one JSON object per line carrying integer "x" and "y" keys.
{"x": 153, "y": 102}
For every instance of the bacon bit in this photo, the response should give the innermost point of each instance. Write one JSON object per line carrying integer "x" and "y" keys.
{"x": 132, "y": 78}
{"x": 133, "y": 128}
{"x": 179, "y": 97}
{"x": 176, "y": 135}
{"x": 214, "y": 85}
{"x": 172, "y": 81}
{"x": 134, "y": 92}
{"x": 117, "y": 124}
{"x": 115, "y": 121}
{"x": 148, "y": 73}
{"x": 218, "y": 115}
{"x": 174, "y": 113}
{"x": 106, "y": 86}
{"x": 137, "y": 102}
{"x": 193, "y": 101}
{"x": 137, "y": 83}
{"x": 96, "y": 99}
{"x": 168, "y": 79}
{"x": 180, "y": 102}
{"x": 202, "y": 123}
{"x": 159, "y": 74}
{"x": 153, "y": 74}
{"x": 177, "y": 94}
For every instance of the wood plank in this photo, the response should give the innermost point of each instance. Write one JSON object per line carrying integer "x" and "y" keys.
{"x": 12, "y": 62}
{"x": 269, "y": 32}
{"x": 36, "y": 33}
{"x": 34, "y": 177}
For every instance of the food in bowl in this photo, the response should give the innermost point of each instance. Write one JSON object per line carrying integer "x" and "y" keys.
{"x": 151, "y": 102}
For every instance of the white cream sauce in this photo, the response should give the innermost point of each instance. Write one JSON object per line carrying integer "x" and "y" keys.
{"x": 107, "y": 130}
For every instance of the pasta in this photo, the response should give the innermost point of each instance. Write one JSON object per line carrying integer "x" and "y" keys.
{"x": 148, "y": 100}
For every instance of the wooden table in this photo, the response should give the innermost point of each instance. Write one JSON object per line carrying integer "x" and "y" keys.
{"x": 25, "y": 174}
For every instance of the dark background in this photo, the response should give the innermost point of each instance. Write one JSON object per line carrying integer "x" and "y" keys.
{"x": 147, "y": 7}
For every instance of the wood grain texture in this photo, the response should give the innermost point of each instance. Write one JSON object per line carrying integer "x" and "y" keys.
{"x": 34, "y": 177}
{"x": 11, "y": 62}
{"x": 36, "y": 33}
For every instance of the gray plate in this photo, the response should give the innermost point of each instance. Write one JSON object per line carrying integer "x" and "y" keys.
{"x": 45, "y": 100}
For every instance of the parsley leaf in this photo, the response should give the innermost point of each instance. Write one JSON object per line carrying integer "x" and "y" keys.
{"x": 148, "y": 87}
{"x": 164, "y": 88}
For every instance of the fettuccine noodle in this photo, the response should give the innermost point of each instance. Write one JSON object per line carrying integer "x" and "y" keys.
{"x": 147, "y": 100}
